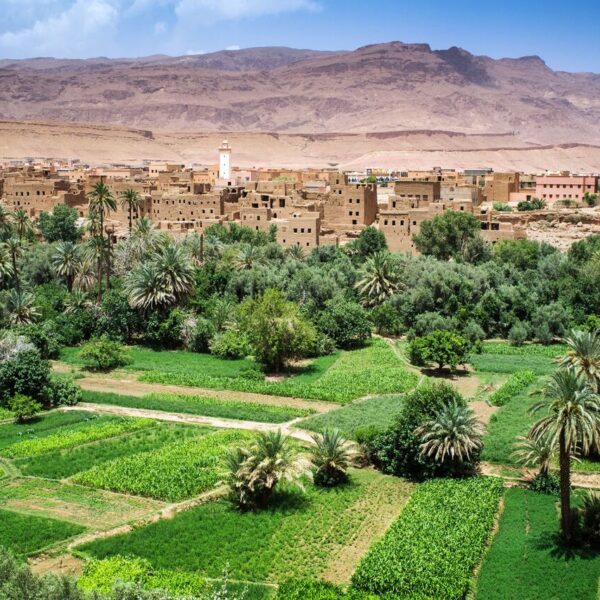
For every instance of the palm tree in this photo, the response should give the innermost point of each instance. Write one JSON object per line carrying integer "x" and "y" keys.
{"x": 15, "y": 250}
{"x": 22, "y": 223}
{"x": 194, "y": 246}
{"x": 331, "y": 457}
{"x": 255, "y": 472}
{"x": 66, "y": 262}
{"x": 572, "y": 423}
{"x": 221, "y": 311}
{"x": 21, "y": 310}
{"x": 296, "y": 252}
{"x": 131, "y": 201}
{"x": 453, "y": 435}
{"x": 85, "y": 277}
{"x": 76, "y": 301}
{"x": 535, "y": 453}
{"x": 101, "y": 202}
{"x": 147, "y": 287}
{"x": 5, "y": 221}
{"x": 176, "y": 268}
{"x": 6, "y": 264}
{"x": 247, "y": 257}
{"x": 95, "y": 247}
{"x": 583, "y": 356}
{"x": 379, "y": 279}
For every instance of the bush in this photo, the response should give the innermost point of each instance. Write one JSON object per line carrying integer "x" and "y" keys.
{"x": 230, "y": 344}
{"x": 386, "y": 319}
{"x": 63, "y": 392}
{"x": 26, "y": 373}
{"x": 117, "y": 320}
{"x": 440, "y": 347}
{"x": 60, "y": 225}
{"x": 165, "y": 330}
{"x": 43, "y": 336}
{"x": 346, "y": 323}
{"x": 515, "y": 384}
{"x": 75, "y": 327}
{"x": 518, "y": 334}
{"x": 533, "y": 204}
{"x": 502, "y": 207}
{"x": 589, "y": 518}
{"x": 546, "y": 483}
{"x": 307, "y": 589}
{"x": 201, "y": 336}
{"x": 24, "y": 408}
{"x": 103, "y": 354}
{"x": 431, "y": 550}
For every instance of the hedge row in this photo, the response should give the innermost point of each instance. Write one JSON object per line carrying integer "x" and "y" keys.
{"x": 431, "y": 550}
{"x": 514, "y": 385}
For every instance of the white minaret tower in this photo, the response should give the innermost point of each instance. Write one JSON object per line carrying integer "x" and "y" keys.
{"x": 225, "y": 161}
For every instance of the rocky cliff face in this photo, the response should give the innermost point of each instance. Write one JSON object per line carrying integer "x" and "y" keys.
{"x": 377, "y": 88}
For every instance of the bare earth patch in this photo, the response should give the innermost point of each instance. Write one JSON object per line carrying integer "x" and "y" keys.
{"x": 65, "y": 564}
{"x": 483, "y": 411}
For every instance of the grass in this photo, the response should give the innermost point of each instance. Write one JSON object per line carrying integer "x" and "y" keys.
{"x": 524, "y": 560}
{"x": 173, "y": 473}
{"x": 374, "y": 369}
{"x": 299, "y": 536}
{"x": 90, "y": 508}
{"x": 201, "y": 405}
{"x": 24, "y": 534}
{"x": 548, "y": 351}
{"x": 5, "y": 413}
{"x": 511, "y": 363}
{"x": 375, "y": 412}
{"x": 65, "y": 463}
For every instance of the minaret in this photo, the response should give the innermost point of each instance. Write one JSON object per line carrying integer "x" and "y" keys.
{"x": 225, "y": 161}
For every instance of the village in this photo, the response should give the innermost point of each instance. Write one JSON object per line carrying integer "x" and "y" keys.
{"x": 313, "y": 207}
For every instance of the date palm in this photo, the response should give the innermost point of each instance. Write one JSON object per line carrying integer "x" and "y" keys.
{"x": 194, "y": 246}
{"x": 66, "y": 262}
{"x": 101, "y": 202}
{"x": 296, "y": 252}
{"x": 379, "y": 279}
{"x": 22, "y": 223}
{"x": 572, "y": 423}
{"x": 147, "y": 287}
{"x": 15, "y": 250}
{"x": 6, "y": 264}
{"x": 177, "y": 269}
{"x": 535, "y": 452}
{"x": 85, "y": 276}
{"x": 453, "y": 435}
{"x": 332, "y": 456}
{"x": 131, "y": 201}
{"x": 6, "y": 225}
{"x": 20, "y": 307}
{"x": 583, "y": 355}
{"x": 247, "y": 257}
{"x": 95, "y": 250}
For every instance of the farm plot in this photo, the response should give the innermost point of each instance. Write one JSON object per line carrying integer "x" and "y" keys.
{"x": 500, "y": 357}
{"x": 95, "y": 509}
{"x": 202, "y": 405}
{"x": 342, "y": 377}
{"x": 524, "y": 560}
{"x": 24, "y": 534}
{"x": 174, "y": 472}
{"x": 320, "y": 532}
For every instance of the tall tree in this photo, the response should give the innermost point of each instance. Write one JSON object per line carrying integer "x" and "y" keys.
{"x": 379, "y": 279}
{"x": 66, "y": 262}
{"x": 131, "y": 201}
{"x": 22, "y": 224}
{"x": 13, "y": 245}
{"x": 572, "y": 423}
{"x": 583, "y": 355}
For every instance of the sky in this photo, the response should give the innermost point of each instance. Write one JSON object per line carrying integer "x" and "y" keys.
{"x": 564, "y": 34}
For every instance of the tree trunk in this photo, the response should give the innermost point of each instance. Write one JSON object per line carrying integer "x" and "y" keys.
{"x": 565, "y": 490}
{"x": 99, "y": 278}
{"x": 130, "y": 218}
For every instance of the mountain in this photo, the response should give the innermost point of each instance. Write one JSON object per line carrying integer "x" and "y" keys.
{"x": 377, "y": 88}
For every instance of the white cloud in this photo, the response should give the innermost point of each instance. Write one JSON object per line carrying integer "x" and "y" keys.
{"x": 68, "y": 32}
{"x": 210, "y": 11}
{"x": 234, "y": 47}
{"x": 194, "y": 52}
{"x": 160, "y": 27}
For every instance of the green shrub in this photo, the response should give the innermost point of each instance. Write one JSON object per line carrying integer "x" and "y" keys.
{"x": 518, "y": 334}
{"x": 26, "y": 373}
{"x": 589, "y": 518}
{"x": 62, "y": 391}
{"x": 386, "y": 319}
{"x": 533, "y": 204}
{"x": 515, "y": 384}
{"x": 164, "y": 330}
{"x": 103, "y": 354}
{"x": 307, "y": 589}
{"x": 546, "y": 483}
{"x": 346, "y": 323}
{"x": 44, "y": 337}
{"x": 229, "y": 344}
{"x": 502, "y": 207}
{"x": 201, "y": 336}
{"x": 24, "y": 408}
{"x": 431, "y": 550}
{"x": 440, "y": 347}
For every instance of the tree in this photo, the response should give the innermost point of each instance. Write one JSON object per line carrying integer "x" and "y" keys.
{"x": 22, "y": 224}
{"x": 66, "y": 262}
{"x": 379, "y": 279}
{"x": 101, "y": 202}
{"x": 453, "y": 436}
{"x": 15, "y": 250}
{"x": 103, "y": 354}
{"x": 247, "y": 257}
{"x": 296, "y": 252}
{"x": 20, "y": 307}
{"x": 255, "y": 472}
{"x": 24, "y": 408}
{"x": 276, "y": 329}
{"x": 346, "y": 323}
{"x": 447, "y": 235}
{"x": 131, "y": 201}
{"x": 369, "y": 242}
{"x": 537, "y": 452}
{"x": 440, "y": 347}
{"x": 583, "y": 355}
{"x": 572, "y": 423}
{"x": 331, "y": 457}
{"x": 60, "y": 225}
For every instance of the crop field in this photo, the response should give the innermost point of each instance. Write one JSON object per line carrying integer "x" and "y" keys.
{"x": 524, "y": 560}
{"x": 374, "y": 412}
{"x": 174, "y": 472}
{"x": 201, "y": 405}
{"x": 498, "y": 357}
{"x": 23, "y": 534}
{"x": 374, "y": 369}
{"x": 302, "y": 535}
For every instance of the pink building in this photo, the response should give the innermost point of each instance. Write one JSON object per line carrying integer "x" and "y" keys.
{"x": 560, "y": 187}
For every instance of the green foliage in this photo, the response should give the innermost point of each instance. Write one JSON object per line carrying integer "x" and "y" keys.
{"x": 331, "y": 458}
{"x": 386, "y": 319}
{"x": 589, "y": 518}
{"x": 307, "y": 589}
{"x": 447, "y": 235}
{"x": 518, "y": 334}
{"x": 346, "y": 323}
{"x": 103, "y": 354}
{"x": 43, "y": 336}
{"x": 435, "y": 561}
{"x": 440, "y": 347}
{"x": 516, "y": 383}
{"x": 70, "y": 437}
{"x": 201, "y": 336}
{"x": 502, "y": 207}
{"x": 545, "y": 483}
{"x": 60, "y": 225}
{"x": 172, "y": 473}
{"x": 202, "y": 405}
{"x": 164, "y": 329}
{"x": 230, "y": 344}
{"x": 533, "y": 204}
{"x": 369, "y": 241}
{"x": 26, "y": 373}
{"x": 526, "y": 562}
{"x": 117, "y": 320}
{"x": 24, "y": 534}
{"x": 24, "y": 408}
{"x": 63, "y": 391}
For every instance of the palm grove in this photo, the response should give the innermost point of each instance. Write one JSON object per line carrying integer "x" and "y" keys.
{"x": 234, "y": 292}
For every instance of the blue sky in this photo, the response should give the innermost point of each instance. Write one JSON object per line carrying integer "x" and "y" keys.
{"x": 564, "y": 34}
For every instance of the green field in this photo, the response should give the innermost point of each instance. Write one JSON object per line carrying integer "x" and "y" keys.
{"x": 525, "y": 562}
{"x": 375, "y": 412}
{"x": 61, "y": 464}
{"x": 24, "y": 534}
{"x": 300, "y": 535}
{"x": 374, "y": 369}
{"x": 202, "y": 405}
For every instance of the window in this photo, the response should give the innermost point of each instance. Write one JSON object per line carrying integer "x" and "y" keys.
{"x": 385, "y": 222}
{"x": 354, "y": 222}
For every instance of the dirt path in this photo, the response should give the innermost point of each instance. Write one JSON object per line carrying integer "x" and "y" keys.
{"x": 483, "y": 411}
{"x": 161, "y": 415}
{"x": 131, "y": 387}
